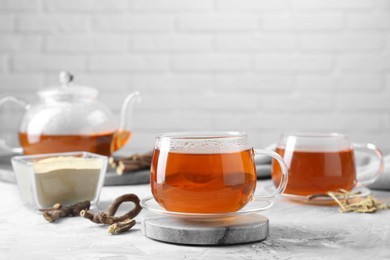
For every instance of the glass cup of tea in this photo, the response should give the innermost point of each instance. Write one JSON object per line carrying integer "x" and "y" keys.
{"x": 322, "y": 163}
{"x": 207, "y": 172}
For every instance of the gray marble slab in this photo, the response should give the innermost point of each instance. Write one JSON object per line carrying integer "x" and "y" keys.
{"x": 227, "y": 231}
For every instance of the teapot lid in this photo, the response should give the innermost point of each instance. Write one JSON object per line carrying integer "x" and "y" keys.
{"x": 67, "y": 89}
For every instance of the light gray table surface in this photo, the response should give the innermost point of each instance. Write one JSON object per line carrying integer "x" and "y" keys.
{"x": 297, "y": 231}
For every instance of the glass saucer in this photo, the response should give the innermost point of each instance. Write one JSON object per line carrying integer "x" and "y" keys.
{"x": 323, "y": 199}
{"x": 253, "y": 206}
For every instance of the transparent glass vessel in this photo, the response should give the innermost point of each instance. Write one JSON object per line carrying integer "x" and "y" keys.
{"x": 71, "y": 118}
{"x": 207, "y": 172}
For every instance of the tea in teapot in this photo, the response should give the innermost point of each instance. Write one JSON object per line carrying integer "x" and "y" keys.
{"x": 104, "y": 143}
{"x": 70, "y": 118}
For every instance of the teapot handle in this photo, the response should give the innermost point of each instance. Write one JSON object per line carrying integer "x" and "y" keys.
{"x": 123, "y": 134}
{"x": 125, "y": 123}
{"x": 3, "y": 145}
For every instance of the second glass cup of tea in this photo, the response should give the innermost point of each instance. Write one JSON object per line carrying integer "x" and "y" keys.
{"x": 319, "y": 163}
{"x": 207, "y": 172}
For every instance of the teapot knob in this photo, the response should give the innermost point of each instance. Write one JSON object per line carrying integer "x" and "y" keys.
{"x": 65, "y": 77}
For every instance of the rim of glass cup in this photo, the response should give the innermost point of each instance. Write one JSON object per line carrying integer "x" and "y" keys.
{"x": 315, "y": 135}
{"x": 202, "y": 135}
{"x": 315, "y": 140}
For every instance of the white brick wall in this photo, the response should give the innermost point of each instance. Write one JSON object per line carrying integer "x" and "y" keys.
{"x": 218, "y": 22}
{"x": 172, "y": 5}
{"x": 6, "y": 22}
{"x": 261, "y": 66}
{"x": 51, "y": 23}
{"x": 132, "y": 22}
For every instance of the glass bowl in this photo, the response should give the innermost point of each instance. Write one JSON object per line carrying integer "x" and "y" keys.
{"x": 65, "y": 178}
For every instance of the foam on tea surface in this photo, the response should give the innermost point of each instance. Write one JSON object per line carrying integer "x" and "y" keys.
{"x": 197, "y": 144}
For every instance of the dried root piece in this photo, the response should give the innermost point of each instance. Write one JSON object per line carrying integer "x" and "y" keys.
{"x": 120, "y": 227}
{"x": 132, "y": 163}
{"x": 124, "y": 222}
{"x": 58, "y": 211}
{"x": 351, "y": 202}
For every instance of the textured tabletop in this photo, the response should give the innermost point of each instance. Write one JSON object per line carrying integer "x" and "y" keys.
{"x": 297, "y": 231}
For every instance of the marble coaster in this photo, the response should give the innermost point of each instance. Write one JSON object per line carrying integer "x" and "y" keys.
{"x": 237, "y": 230}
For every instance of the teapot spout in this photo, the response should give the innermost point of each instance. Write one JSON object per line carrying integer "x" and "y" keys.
{"x": 123, "y": 134}
{"x": 16, "y": 100}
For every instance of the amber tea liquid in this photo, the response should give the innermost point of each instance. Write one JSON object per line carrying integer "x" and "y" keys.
{"x": 317, "y": 172}
{"x": 104, "y": 143}
{"x": 209, "y": 183}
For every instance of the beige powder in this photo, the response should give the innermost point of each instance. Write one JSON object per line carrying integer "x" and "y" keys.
{"x": 66, "y": 180}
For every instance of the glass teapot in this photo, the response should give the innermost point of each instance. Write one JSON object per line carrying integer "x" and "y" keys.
{"x": 70, "y": 118}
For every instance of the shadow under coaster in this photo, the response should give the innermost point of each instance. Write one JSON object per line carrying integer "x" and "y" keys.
{"x": 235, "y": 230}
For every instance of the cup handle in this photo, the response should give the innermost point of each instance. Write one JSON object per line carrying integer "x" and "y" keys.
{"x": 284, "y": 176}
{"x": 370, "y": 172}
